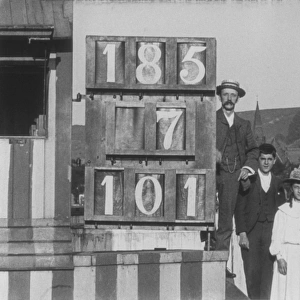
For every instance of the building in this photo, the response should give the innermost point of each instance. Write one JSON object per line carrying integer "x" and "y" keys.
{"x": 146, "y": 200}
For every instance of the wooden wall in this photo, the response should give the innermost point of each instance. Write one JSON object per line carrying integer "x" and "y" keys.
{"x": 35, "y": 183}
{"x": 179, "y": 275}
{"x": 38, "y": 12}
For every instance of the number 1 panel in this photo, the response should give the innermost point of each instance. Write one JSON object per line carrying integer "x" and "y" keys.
{"x": 190, "y": 196}
{"x": 109, "y": 62}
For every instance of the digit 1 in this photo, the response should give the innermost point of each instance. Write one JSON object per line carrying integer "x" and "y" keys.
{"x": 108, "y": 181}
{"x": 191, "y": 201}
{"x": 110, "y": 50}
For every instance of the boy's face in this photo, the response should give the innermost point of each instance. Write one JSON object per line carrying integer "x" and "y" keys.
{"x": 266, "y": 162}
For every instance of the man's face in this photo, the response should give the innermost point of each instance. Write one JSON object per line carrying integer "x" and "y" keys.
{"x": 229, "y": 98}
{"x": 266, "y": 162}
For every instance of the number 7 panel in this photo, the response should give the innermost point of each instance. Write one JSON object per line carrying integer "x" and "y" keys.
{"x": 150, "y": 129}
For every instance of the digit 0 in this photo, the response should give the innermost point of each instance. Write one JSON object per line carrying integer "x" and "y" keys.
{"x": 139, "y": 197}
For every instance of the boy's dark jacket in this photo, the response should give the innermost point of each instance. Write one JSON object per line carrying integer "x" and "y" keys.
{"x": 249, "y": 201}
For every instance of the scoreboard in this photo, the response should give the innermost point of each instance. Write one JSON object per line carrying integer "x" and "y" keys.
{"x": 150, "y": 130}
{"x": 148, "y": 63}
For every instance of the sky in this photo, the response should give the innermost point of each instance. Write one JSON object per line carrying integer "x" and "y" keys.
{"x": 258, "y": 41}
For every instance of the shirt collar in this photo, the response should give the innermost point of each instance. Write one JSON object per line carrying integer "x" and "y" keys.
{"x": 229, "y": 119}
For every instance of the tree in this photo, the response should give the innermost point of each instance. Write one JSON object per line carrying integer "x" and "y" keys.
{"x": 294, "y": 129}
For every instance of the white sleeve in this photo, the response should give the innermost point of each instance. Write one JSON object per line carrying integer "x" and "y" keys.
{"x": 252, "y": 172}
{"x": 278, "y": 235}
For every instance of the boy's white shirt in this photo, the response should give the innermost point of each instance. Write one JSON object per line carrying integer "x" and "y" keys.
{"x": 265, "y": 180}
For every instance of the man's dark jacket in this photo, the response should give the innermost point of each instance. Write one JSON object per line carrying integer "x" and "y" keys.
{"x": 249, "y": 203}
{"x": 248, "y": 151}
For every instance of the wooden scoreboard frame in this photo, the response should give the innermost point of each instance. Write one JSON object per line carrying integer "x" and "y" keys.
{"x": 128, "y": 63}
{"x": 128, "y": 138}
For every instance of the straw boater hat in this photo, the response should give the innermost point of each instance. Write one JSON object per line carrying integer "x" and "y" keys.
{"x": 294, "y": 177}
{"x": 231, "y": 84}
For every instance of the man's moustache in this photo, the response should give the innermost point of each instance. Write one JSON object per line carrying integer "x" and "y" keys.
{"x": 228, "y": 102}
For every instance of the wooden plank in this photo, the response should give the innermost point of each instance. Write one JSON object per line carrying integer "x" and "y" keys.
{"x": 209, "y": 271}
{"x": 169, "y": 287}
{"x": 95, "y": 132}
{"x": 35, "y": 262}
{"x": 211, "y": 63}
{"x": 210, "y": 197}
{"x": 62, "y": 291}
{"x": 148, "y": 280}
{"x": 63, "y": 111}
{"x": 4, "y": 282}
{"x": 171, "y": 62}
{"x": 170, "y": 196}
{"x": 90, "y": 73}
{"x": 21, "y": 192}
{"x": 5, "y": 13}
{"x": 110, "y": 126}
{"x": 190, "y": 126}
{"x": 19, "y": 285}
{"x": 205, "y": 133}
{"x": 127, "y": 277}
{"x": 106, "y": 281}
{"x": 62, "y": 25}
{"x": 18, "y": 12}
{"x": 68, "y": 9}
{"x": 150, "y": 126}
{"x": 129, "y": 188}
{"x": 191, "y": 280}
{"x": 130, "y": 57}
{"x": 89, "y": 203}
{"x": 5, "y": 161}
{"x": 34, "y": 12}
{"x": 41, "y": 285}
{"x": 47, "y": 11}
{"x": 38, "y": 179}
{"x": 180, "y": 154}
{"x": 129, "y": 128}
{"x": 50, "y": 151}
{"x": 85, "y": 283}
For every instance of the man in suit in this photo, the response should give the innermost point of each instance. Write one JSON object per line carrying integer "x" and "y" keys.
{"x": 237, "y": 155}
{"x": 254, "y": 216}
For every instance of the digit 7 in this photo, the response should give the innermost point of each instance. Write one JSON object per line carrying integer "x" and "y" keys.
{"x": 169, "y": 115}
